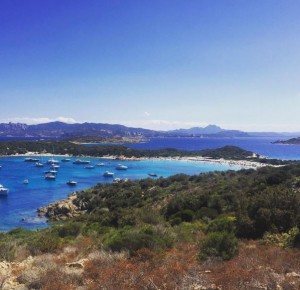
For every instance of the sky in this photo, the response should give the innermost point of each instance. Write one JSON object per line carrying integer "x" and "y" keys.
{"x": 159, "y": 64}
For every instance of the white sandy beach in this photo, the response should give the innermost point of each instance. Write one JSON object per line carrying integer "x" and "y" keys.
{"x": 241, "y": 163}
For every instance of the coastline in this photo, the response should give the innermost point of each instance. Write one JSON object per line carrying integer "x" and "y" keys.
{"x": 246, "y": 164}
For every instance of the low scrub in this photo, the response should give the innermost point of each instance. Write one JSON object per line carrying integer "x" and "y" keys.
{"x": 219, "y": 244}
{"x": 133, "y": 239}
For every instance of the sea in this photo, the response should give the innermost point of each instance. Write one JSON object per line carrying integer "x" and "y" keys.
{"x": 19, "y": 208}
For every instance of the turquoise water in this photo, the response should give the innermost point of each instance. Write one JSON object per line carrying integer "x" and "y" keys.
{"x": 18, "y": 209}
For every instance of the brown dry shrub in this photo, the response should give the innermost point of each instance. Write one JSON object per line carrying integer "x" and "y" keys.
{"x": 146, "y": 270}
{"x": 258, "y": 266}
{"x": 57, "y": 279}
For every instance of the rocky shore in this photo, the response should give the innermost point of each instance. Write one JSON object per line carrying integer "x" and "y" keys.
{"x": 63, "y": 209}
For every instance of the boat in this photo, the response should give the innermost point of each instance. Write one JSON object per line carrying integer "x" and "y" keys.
{"x": 65, "y": 160}
{"x": 3, "y": 191}
{"x": 89, "y": 167}
{"x": 50, "y": 172}
{"x": 100, "y": 164}
{"x": 53, "y": 166}
{"x": 108, "y": 174}
{"x": 117, "y": 180}
{"x": 29, "y": 159}
{"x": 152, "y": 174}
{"x": 72, "y": 182}
{"x": 25, "y": 181}
{"x": 79, "y": 161}
{"x": 39, "y": 164}
{"x": 121, "y": 167}
{"x": 50, "y": 176}
{"x": 52, "y": 161}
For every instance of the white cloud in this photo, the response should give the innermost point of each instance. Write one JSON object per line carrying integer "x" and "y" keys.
{"x": 31, "y": 121}
{"x": 147, "y": 114}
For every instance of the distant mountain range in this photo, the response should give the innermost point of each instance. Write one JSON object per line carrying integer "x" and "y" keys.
{"x": 64, "y": 130}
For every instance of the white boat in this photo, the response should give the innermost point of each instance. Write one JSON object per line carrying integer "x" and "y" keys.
{"x": 51, "y": 171}
{"x": 52, "y": 161}
{"x": 3, "y": 191}
{"x": 89, "y": 167}
{"x": 26, "y": 181}
{"x": 39, "y": 164}
{"x": 108, "y": 174}
{"x": 50, "y": 176}
{"x": 65, "y": 160}
{"x": 72, "y": 182}
{"x": 121, "y": 167}
{"x": 53, "y": 166}
{"x": 79, "y": 161}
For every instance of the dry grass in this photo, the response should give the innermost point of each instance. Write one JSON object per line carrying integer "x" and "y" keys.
{"x": 257, "y": 266}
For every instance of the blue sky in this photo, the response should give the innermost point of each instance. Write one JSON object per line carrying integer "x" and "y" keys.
{"x": 158, "y": 64}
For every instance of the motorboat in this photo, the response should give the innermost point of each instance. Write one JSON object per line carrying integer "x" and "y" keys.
{"x": 29, "y": 159}
{"x": 52, "y": 161}
{"x": 53, "y": 166}
{"x": 89, "y": 167}
{"x": 65, "y": 160}
{"x": 3, "y": 191}
{"x": 79, "y": 161}
{"x": 26, "y": 181}
{"x": 72, "y": 182}
{"x": 121, "y": 167}
{"x": 152, "y": 174}
{"x": 39, "y": 164}
{"x": 108, "y": 174}
{"x": 51, "y": 171}
{"x": 50, "y": 176}
{"x": 100, "y": 164}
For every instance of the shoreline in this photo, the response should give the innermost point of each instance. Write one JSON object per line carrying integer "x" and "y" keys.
{"x": 246, "y": 164}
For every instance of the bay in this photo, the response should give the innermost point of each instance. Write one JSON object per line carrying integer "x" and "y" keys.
{"x": 18, "y": 209}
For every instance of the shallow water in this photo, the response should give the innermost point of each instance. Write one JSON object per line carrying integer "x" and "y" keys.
{"x": 18, "y": 209}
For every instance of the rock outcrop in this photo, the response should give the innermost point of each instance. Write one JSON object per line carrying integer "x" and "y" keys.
{"x": 63, "y": 209}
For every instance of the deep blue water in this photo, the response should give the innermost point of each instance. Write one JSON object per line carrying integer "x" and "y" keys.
{"x": 23, "y": 199}
{"x": 258, "y": 145}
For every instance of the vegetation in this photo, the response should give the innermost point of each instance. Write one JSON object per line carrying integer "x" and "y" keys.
{"x": 75, "y": 149}
{"x": 167, "y": 233}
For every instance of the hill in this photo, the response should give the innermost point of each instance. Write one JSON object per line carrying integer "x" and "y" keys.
{"x": 292, "y": 141}
{"x": 219, "y": 230}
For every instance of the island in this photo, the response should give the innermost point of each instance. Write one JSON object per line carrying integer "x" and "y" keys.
{"x": 292, "y": 141}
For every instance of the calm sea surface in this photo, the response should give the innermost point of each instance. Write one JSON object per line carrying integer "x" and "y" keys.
{"x": 18, "y": 209}
{"x": 261, "y": 146}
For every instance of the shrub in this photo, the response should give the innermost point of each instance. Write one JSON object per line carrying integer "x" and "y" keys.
{"x": 44, "y": 244}
{"x": 7, "y": 250}
{"x": 71, "y": 229}
{"x": 133, "y": 239}
{"x": 219, "y": 244}
{"x": 205, "y": 212}
{"x": 225, "y": 223}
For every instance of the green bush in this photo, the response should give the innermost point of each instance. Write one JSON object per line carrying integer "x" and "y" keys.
{"x": 70, "y": 229}
{"x": 133, "y": 239}
{"x": 220, "y": 224}
{"x": 219, "y": 244}
{"x": 44, "y": 244}
{"x": 7, "y": 250}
